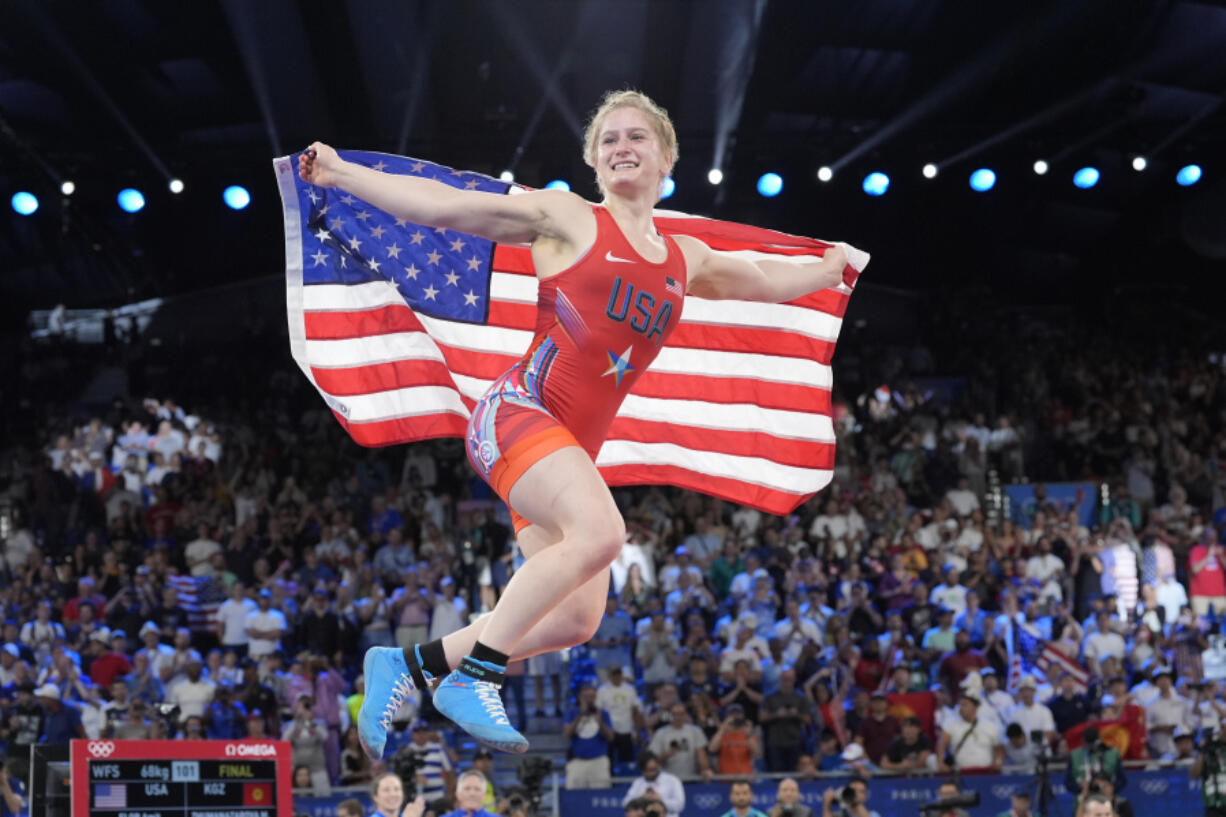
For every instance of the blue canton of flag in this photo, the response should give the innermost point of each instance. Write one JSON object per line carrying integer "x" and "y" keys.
{"x": 438, "y": 272}
{"x": 1029, "y": 646}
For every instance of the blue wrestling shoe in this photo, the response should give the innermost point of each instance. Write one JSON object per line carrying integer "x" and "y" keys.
{"x": 388, "y": 684}
{"x": 476, "y": 707}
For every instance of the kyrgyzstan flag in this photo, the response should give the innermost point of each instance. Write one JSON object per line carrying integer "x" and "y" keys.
{"x": 922, "y": 705}
{"x": 257, "y": 794}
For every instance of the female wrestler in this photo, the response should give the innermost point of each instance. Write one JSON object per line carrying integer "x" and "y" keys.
{"x": 609, "y": 296}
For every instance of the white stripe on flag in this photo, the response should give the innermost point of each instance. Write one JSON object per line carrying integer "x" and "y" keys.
{"x": 754, "y": 470}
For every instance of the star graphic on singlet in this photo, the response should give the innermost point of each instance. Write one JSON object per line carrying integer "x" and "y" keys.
{"x": 619, "y": 364}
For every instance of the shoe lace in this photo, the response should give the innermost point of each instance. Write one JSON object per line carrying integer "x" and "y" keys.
{"x": 400, "y": 691}
{"x": 491, "y": 700}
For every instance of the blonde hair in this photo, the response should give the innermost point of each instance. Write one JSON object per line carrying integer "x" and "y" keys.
{"x": 660, "y": 123}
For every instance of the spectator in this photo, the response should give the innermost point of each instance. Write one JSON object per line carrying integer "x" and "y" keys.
{"x": 657, "y": 785}
{"x": 232, "y": 620}
{"x": 306, "y": 735}
{"x": 879, "y": 729}
{"x": 619, "y": 699}
{"x": 265, "y": 626}
{"x": 681, "y": 746}
{"x": 1031, "y": 715}
{"x": 948, "y": 790}
{"x": 61, "y": 722}
{"x": 967, "y": 741}
{"x": 611, "y": 644}
{"x": 735, "y": 743}
{"x": 911, "y": 750}
{"x": 450, "y": 612}
{"x": 356, "y": 767}
{"x": 961, "y": 662}
{"x": 225, "y": 719}
{"x": 1069, "y": 709}
{"x": 656, "y": 652}
{"x": 435, "y": 776}
{"x": 784, "y": 717}
{"x": 387, "y": 792}
{"x": 192, "y": 694}
{"x": 589, "y": 733}
{"x": 1165, "y": 713}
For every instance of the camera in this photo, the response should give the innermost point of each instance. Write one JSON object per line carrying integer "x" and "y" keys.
{"x": 405, "y": 764}
{"x": 847, "y": 799}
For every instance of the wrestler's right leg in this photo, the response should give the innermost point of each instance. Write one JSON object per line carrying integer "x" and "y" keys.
{"x": 562, "y": 491}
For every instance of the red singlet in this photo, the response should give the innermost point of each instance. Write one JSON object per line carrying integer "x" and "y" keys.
{"x": 600, "y": 323}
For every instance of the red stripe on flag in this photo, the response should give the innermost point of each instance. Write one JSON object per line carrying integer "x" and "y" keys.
{"x": 733, "y": 490}
{"x": 764, "y": 393}
{"x": 799, "y": 453}
{"x": 405, "y": 429}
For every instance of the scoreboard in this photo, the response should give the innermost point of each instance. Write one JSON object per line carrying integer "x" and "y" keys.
{"x": 181, "y": 778}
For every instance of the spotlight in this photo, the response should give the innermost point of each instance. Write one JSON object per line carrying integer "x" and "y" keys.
{"x": 131, "y": 200}
{"x": 875, "y": 184}
{"x": 176, "y": 186}
{"x": 1040, "y": 167}
{"x": 24, "y": 204}
{"x": 1086, "y": 178}
{"x": 715, "y": 175}
{"x": 1139, "y": 163}
{"x": 1188, "y": 175}
{"x": 770, "y": 184}
{"x": 930, "y": 171}
{"x": 824, "y": 174}
{"x": 507, "y": 176}
{"x": 668, "y": 187}
{"x": 236, "y": 197}
{"x": 557, "y": 184}
{"x": 68, "y": 187}
{"x": 983, "y": 180}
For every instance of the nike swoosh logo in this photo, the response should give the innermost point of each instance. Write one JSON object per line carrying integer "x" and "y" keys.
{"x": 609, "y": 256}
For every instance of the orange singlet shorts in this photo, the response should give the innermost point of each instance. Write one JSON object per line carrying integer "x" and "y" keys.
{"x": 509, "y": 432}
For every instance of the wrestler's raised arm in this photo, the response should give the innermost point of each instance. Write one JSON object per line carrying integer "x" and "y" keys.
{"x": 520, "y": 218}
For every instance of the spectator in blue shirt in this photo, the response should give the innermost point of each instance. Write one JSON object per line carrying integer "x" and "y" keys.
{"x": 225, "y": 718}
{"x": 62, "y": 722}
{"x": 12, "y": 795}
{"x": 610, "y": 646}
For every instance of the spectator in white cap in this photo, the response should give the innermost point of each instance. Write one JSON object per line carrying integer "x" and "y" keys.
{"x": 1031, "y": 715}
{"x": 969, "y": 741}
{"x": 160, "y": 656}
{"x": 745, "y": 647}
{"x": 856, "y": 761}
{"x": 61, "y": 721}
{"x": 669, "y": 575}
{"x": 10, "y": 655}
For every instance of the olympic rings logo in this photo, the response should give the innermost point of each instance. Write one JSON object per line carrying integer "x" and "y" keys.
{"x": 1155, "y": 786}
{"x": 1001, "y": 792}
{"x": 100, "y": 748}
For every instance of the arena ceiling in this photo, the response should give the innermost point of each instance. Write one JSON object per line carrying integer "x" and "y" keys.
{"x": 115, "y": 93}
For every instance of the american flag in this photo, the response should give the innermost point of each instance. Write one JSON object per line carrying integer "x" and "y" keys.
{"x": 200, "y": 597}
{"x": 402, "y": 327}
{"x": 110, "y": 795}
{"x": 1055, "y": 663}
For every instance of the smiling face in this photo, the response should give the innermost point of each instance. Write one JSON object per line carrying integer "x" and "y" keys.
{"x": 630, "y": 159}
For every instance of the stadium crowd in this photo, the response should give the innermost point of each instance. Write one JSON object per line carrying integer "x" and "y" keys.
{"x": 215, "y": 569}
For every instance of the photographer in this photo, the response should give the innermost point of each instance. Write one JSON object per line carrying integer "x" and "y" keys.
{"x": 1095, "y": 805}
{"x": 1100, "y": 785}
{"x": 589, "y": 732}
{"x": 787, "y": 801}
{"x": 1094, "y": 758}
{"x": 849, "y": 800}
{"x": 1209, "y": 767}
{"x": 658, "y": 786}
{"x": 306, "y": 735}
{"x": 948, "y": 790}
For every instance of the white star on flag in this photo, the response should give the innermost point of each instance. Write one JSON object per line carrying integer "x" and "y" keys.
{"x": 348, "y": 200}
{"x": 457, "y": 245}
{"x": 452, "y": 278}
{"x": 320, "y": 257}
{"x": 378, "y": 231}
{"x": 393, "y": 251}
{"x": 323, "y": 235}
{"x": 374, "y": 265}
{"x": 412, "y": 271}
{"x": 474, "y": 263}
{"x": 380, "y": 166}
{"x": 431, "y": 292}
{"x": 470, "y": 298}
{"x": 354, "y": 243}
{"x": 434, "y": 256}
{"x": 313, "y": 196}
